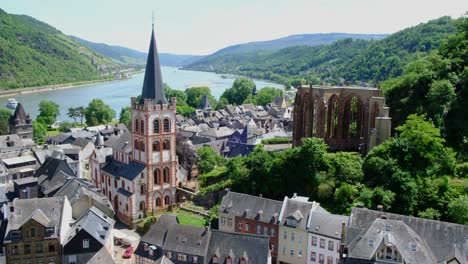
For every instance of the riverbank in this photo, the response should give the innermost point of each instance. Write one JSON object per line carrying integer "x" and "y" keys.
{"x": 46, "y": 88}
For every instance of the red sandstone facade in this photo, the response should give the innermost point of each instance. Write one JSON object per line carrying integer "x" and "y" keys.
{"x": 347, "y": 118}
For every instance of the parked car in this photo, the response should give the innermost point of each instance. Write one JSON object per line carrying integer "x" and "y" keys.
{"x": 128, "y": 252}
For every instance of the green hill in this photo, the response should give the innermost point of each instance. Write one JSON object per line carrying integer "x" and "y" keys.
{"x": 33, "y": 53}
{"x": 346, "y": 60}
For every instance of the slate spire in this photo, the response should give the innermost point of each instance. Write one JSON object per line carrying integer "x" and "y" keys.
{"x": 153, "y": 84}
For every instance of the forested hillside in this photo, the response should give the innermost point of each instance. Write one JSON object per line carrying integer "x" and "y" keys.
{"x": 344, "y": 61}
{"x": 33, "y": 53}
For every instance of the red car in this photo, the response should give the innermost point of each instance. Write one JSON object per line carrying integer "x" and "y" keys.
{"x": 128, "y": 252}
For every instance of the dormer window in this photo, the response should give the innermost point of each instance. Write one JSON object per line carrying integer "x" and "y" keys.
{"x": 215, "y": 259}
{"x": 228, "y": 260}
{"x": 243, "y": 261}
{"x": 291, "y": 222}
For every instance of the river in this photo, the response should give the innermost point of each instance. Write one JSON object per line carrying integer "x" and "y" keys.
{"x": 117, "y": 93}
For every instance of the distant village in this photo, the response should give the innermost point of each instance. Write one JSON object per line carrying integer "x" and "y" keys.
{"x": 79, "y": 197}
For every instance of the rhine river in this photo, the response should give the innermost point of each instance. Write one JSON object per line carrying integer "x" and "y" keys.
{"x": 117, "y": 93}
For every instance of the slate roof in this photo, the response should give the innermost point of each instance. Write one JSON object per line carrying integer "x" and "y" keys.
{"x": 217, "y": 133}
{"x": 101, "y": 257}
{"x": 121, "y": 143}
{"x": 53, "y": 174}
{"x": 439, "y": 236}
{"x": 163, "y": 260}
{"x": 187, "y": 239}
{"x": 20, "y": 115}
{"x": 75, "y": 188}
{"x": 255, "y": 248}
{"x": 259, "y": 208}
{"x": 127, "y": 171}
{"x": 328, "y": 225}
{"x": 155, "y": 236}
{"x": 95, "y": 223}
{"x": 296, "y": 207}
{"x": 124, "y": 192}
{"x": 205, "y": 104}
{"x": 81, "y": 142}
{"x": 102, "y": 154}
{"x": 396, "y": 233}
{"x": 153, "y": 84}
{"x": 46, "y": 211}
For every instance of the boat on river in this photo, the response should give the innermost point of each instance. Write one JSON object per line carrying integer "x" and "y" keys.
{"x": 12, "y": 103}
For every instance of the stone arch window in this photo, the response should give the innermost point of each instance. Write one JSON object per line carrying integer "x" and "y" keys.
{"x": 333, "y": 116}
{"x": 166, "y": 175}
{"x": 143, "y": 189}
{"x": 123, "y": 184}
{"x": 156, "y": 126}
{"x": 137, "y": 123}
{"x": 115, "y": 183}
{"x": 102, "y": 179}
{"x": 166, "y": 145}
{"x": 126, "y": 208}
{"x": 156, "y": 146}
{"x": 167, "y": 200}
{"x": 142, "y": 126}
{"x": 157, "y": 176}
{"x": 142, "y": 146}
{"x": 167, "y": 127}
{"x": 110, "y": 196}
{"x": 352, "y": 118}
{"x": 137, "y": 144}
{"x": 158, "y": 202}
{"x": 142, "y": 206}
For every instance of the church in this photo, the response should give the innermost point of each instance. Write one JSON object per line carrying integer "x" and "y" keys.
{"x": 141, "y": 175}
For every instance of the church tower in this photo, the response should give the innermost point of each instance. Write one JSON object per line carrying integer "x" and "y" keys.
{"x": 154, "y": 135}
{"x": 21, "y": 123}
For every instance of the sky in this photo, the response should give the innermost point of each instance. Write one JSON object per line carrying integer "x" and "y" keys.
{"x": 203, "y": 26}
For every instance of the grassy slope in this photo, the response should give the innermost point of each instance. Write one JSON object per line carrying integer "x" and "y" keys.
{"x": 33, "y": 53}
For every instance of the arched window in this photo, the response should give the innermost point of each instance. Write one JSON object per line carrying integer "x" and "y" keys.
{"x": 156, "y": 146}
{"x": 167, "y": 200}
{"x": 115, "y": 183}
{"x": 156, "y": 126}
{"x": 137, "y": 145}
{"x": 142, "y": 206}
{"x": 136, "y": 125}
{"x": 95, "y": 174}
{"x": 123, "y": 184}
{"x": 110, "y": 196}
{"x": 166, "y": 175}
{"x": 143, "y": 189}
{"x": 142, "y": 146}
{"x": 166, "y": 145}
{"x": 167, "y": 127}
{"x": 126, "y": 208}
{"x": 158, "y": 201}
{"x": 142, "y": 126}
{"x": 157, "y": 174}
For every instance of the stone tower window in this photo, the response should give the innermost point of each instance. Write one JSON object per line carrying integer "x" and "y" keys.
{"x": 166, "y": 145}
{"x": 166, "y": 175}
{"x": 136, "y": 125}
{"x": 166, "y": 125}
{"x": 156, "y": 176}
{"x": 156, "y": 146}
{"x": 142, "y": 126}
{"x": 156, "y": 126}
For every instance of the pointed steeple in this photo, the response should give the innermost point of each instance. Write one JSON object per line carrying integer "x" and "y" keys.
{"x": 153, "y": 84}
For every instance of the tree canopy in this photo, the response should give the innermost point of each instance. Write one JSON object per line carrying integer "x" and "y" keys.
{"x": 4, "y": 121}
{"x": 98, "y": 112}
{"x": 241, "y": 89}
{"x": 48, "y": 112}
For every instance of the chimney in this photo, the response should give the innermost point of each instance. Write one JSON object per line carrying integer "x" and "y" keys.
{"x": 380, "y": 207}
{"x": 294, "y": 195}
{"x": 343, "y": 241}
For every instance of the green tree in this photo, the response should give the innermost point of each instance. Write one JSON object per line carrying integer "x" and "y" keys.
{"x": 39, "y": 132}
{"x": 267, "y": 95}
{"x": 98, "y": 112}
{"x": 208, "y": 159}
{"x": 4, "y": 121}
{"x": 195, "y": 95}
{"x": 346, "y": 167}
{"x": 241, "y": 89}
{"x": 458, "y": 210}
{"x": 65, "y": 126}
{"x": 430, "y": 213}
{"x": 48, "y": 112}
{"x": 126, "y": 116}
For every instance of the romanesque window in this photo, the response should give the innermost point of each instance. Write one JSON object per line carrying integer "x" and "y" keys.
{"x": 142, "y": 126}
{"x": 123, "y": 184}
{"x": 142, "y": 206}
{"x": 115, "y": 183}
{"x": 158, "y": 201}
{"x": 167, "y": 125}
{"x": 166, "y": 145}
{"x": 142, "y": 146}
{"x": 156, "y": 126}
{"x": 137, "y": 145}
{"x": 102, "y": 178}
{"x": 166, "y": 175}
{"x": 137, "y": 123}
{"x": 143, "y": 189}
{"x": 167, "y": 200}
{"x": 156, "y": 146}
{"x": 157, "y": 174}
